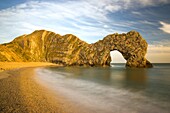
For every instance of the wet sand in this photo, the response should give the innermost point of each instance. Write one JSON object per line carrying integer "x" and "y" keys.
{"x": 19, "y": 92}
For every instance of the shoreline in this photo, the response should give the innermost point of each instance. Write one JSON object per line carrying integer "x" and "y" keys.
{"x": 7, "y": 66}
{"x": 20, "y": 92}
{"x": 16, "y": 65}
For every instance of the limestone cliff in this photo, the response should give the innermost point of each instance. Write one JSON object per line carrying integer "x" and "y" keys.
{"x": 69, "y": 50}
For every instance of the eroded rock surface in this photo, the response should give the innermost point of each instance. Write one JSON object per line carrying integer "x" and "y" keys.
{"x": 69, "y": 50}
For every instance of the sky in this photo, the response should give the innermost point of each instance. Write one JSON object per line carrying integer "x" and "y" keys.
{"x": 91, "y": 20}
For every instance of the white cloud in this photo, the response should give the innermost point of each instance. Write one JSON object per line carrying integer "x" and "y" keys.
{"x": 147, "y": 22}
{"x": 69, "y": 17}
{"x": 162, "y": 43}
{"x": 136, "y": 13}
{"x": 142, "y": 3}
{"x": 152, "y": 2}
{"x": 158, "y": 49}
{"x": 158, "y": 54}
{"x": 113, "y": 8}
{"x": 84, "y": 18}
{"x": 106, "y": 26}
{"x": 165, "y": 27}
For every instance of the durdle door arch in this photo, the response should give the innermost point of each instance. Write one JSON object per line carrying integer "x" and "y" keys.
{"x": 131, "y": 45}
{"x": 68, "y": 50}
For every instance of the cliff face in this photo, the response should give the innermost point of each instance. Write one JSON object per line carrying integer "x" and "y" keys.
{"x": 69, "y": 50}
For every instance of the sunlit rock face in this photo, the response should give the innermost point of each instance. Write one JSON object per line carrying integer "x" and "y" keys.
{"x": 69, "y": 50}
{"x": 132, "y": 46}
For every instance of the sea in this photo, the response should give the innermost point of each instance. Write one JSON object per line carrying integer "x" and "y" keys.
{"x": 114, "y": 89}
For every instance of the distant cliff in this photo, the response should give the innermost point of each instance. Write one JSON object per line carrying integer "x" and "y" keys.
{"x": 69, "y": 50}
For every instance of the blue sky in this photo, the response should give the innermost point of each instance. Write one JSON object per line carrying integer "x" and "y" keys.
{"x": 90, "y": 20}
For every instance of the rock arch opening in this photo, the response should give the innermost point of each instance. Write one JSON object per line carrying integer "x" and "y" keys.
{"x": 117, "y": 58}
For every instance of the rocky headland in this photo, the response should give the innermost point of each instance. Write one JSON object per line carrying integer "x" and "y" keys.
{"x": 68, "y": 50}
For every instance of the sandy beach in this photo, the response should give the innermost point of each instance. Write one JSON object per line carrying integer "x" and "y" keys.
{"x": 16, "y": 65}
{"x": 19, "y": 91}
{"x": 4, "y": 66}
